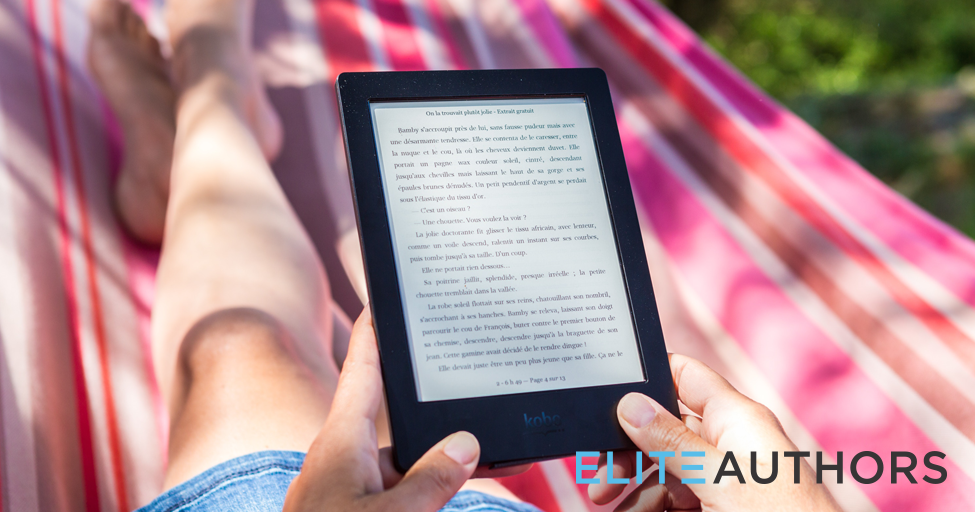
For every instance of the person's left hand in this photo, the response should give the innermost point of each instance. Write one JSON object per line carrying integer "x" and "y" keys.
{"x": 345, "y": 469}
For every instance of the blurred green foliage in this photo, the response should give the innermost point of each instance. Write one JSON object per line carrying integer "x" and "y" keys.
{"x": 890, "y": 82}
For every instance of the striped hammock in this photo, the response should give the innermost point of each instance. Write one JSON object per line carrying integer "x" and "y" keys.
{"x": 776, "y": 259}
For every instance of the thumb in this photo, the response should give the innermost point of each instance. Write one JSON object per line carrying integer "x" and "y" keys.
{"x": 437, "y": 476}
{"x": 678, "y": 450}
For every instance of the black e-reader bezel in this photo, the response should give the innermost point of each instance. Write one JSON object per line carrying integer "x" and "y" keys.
{"x": 586, "y": 416}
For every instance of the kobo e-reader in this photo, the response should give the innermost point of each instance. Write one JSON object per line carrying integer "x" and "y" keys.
{"x": 505, "y": 266}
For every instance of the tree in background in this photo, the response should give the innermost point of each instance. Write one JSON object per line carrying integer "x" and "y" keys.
{"x": 890, "y": 82}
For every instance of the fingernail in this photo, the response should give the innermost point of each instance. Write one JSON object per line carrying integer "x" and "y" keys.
{"x": 636, "y": 410}
{"x": 462, "y": 447}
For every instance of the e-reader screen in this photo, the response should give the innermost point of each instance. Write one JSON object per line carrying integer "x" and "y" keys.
{"x": 504, "y": 247}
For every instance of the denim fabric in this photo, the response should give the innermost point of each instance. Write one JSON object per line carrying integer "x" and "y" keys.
{"x": 258, "y": 482}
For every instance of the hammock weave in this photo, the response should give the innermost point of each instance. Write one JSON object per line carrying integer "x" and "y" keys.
{"x": 810, "y": 285}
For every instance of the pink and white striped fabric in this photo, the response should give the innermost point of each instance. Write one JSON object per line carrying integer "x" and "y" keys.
{"x": 776, "y": 259}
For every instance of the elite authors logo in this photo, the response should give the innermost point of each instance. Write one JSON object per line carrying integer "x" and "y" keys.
{"x": 901, "y": 463}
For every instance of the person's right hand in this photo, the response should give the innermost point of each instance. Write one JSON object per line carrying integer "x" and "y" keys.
{"x": 724, "y": 420}
{"x": 345, "y": 469}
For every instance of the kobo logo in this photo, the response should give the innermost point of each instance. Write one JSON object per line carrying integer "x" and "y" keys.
{"x": 543, "y": 423}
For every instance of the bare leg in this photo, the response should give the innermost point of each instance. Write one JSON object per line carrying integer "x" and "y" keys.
{"x": 127, "y": 63}
{"x": 240, "y": 328}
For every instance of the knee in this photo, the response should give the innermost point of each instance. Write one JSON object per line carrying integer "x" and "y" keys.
{"x": 232, "y": 340}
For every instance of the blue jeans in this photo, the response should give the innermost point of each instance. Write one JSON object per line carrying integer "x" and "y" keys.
{"x": 258, "y": 482}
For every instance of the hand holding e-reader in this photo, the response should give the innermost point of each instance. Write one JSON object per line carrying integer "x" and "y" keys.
{"x": 506, "y": 272}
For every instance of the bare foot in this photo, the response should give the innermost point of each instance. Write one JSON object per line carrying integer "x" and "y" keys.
{"x": 126, "y": 62}
{"x": 216, "y": 34}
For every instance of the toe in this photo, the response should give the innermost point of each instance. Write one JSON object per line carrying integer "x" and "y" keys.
{"x": 105, "y": 15}
{"x": 136, "y": 34}
{"x": 146, "y": 40}
{"x": 131, "y": 21}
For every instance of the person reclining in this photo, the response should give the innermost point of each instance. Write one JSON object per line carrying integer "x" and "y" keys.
{"x": 261, "y": 417}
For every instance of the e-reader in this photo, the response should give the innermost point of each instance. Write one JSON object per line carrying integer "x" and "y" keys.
{"x": 505, "y": 266}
